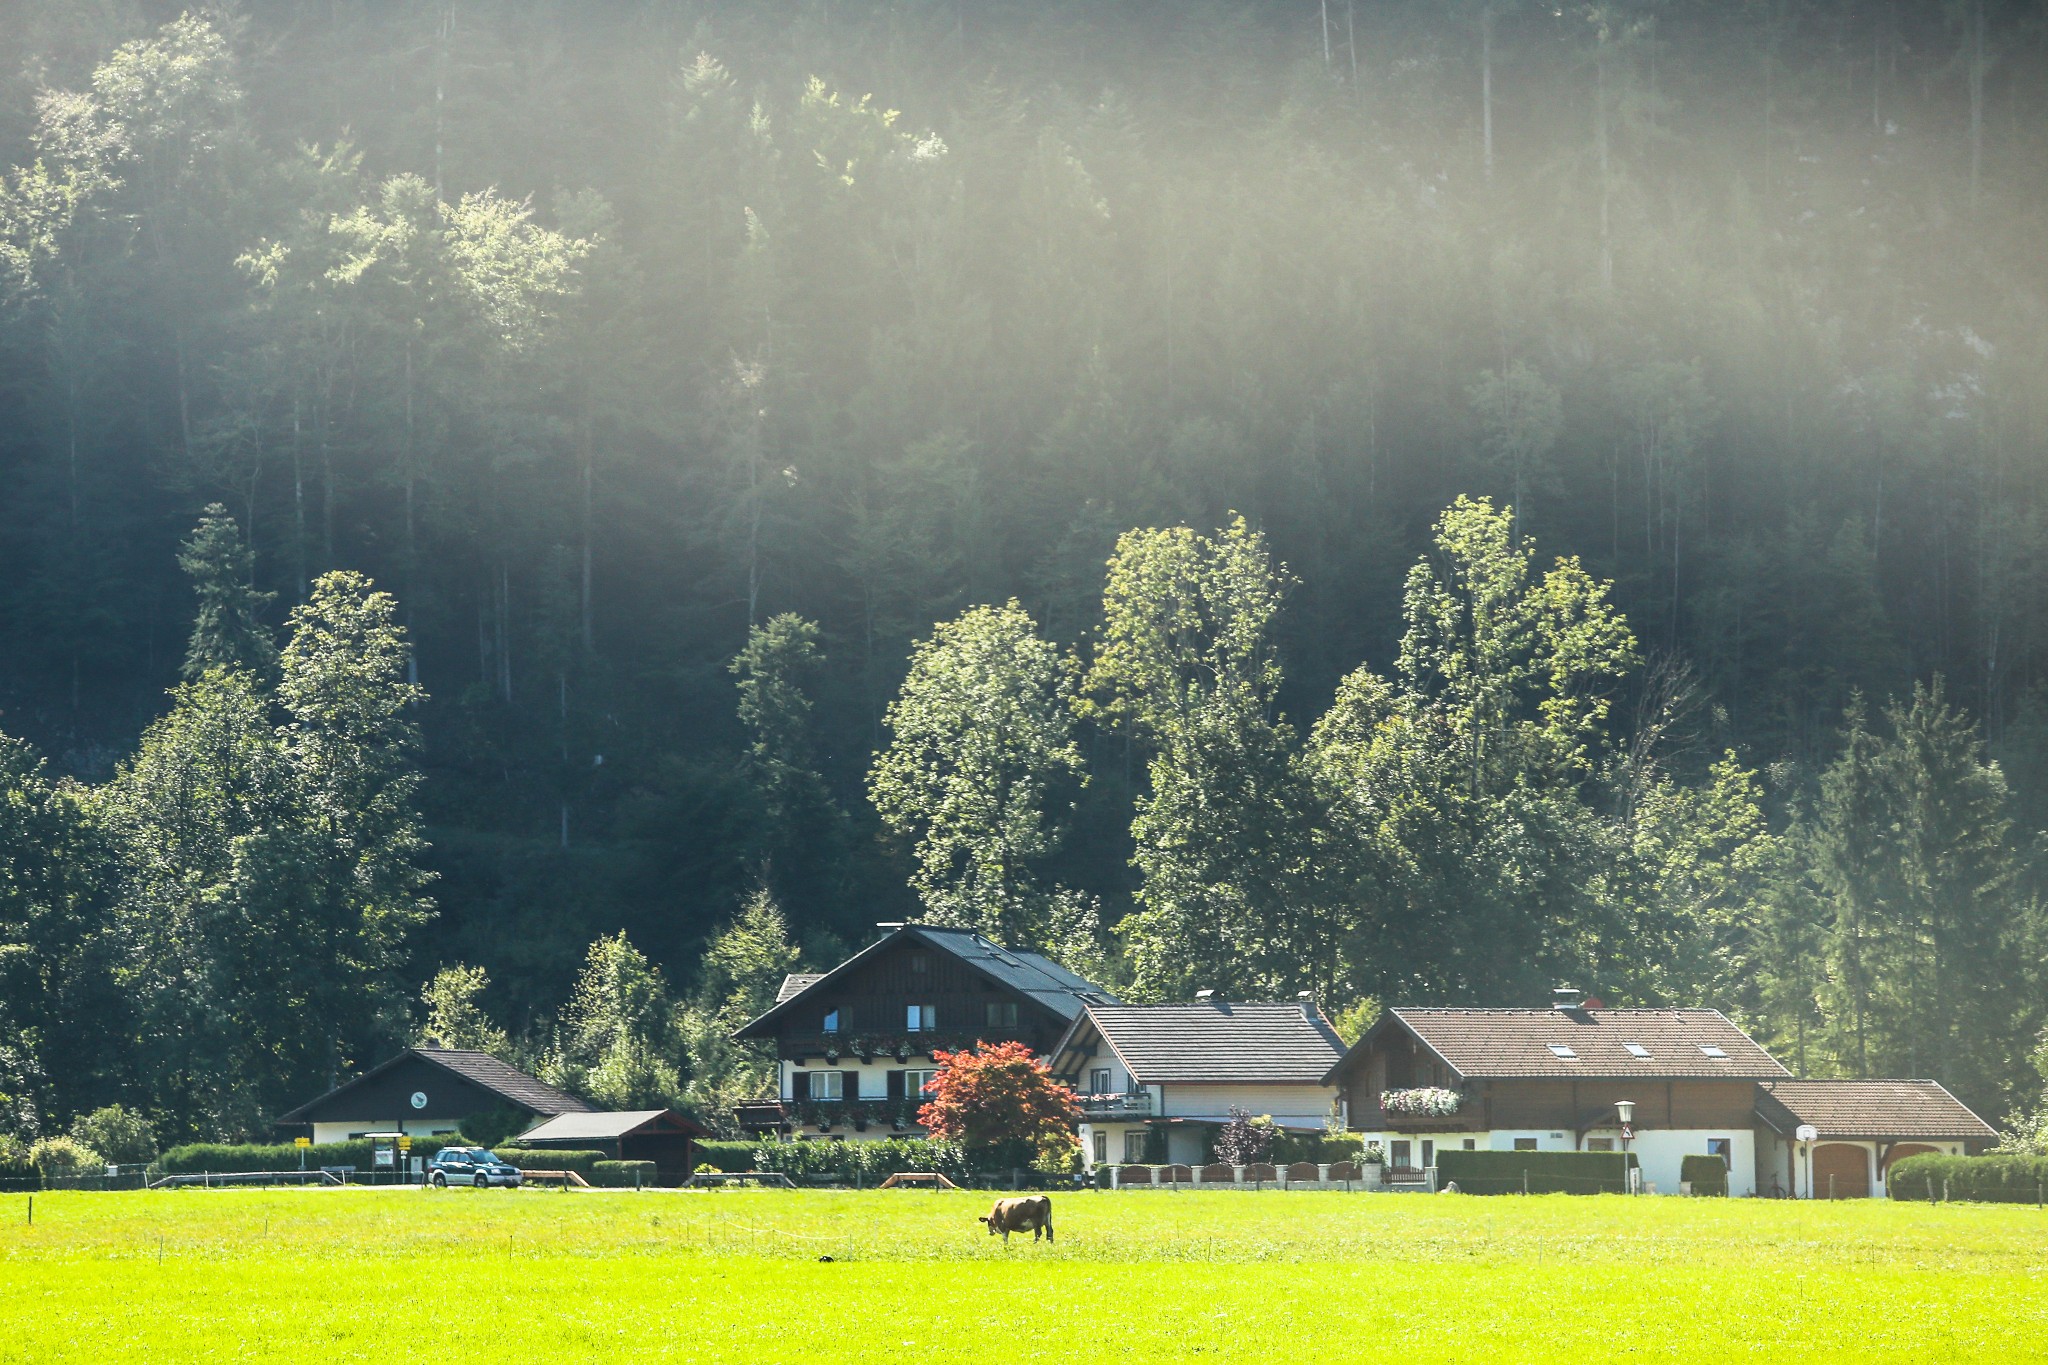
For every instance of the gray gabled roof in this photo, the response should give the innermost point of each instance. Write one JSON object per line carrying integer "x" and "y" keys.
{"x": 1212, "y": 1042}
{"x": 607, "y": 1125}
{"x": 1030, "y": 974}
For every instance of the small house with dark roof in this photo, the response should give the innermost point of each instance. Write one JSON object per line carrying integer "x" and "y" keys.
{"x": 855, "y": 1045}
{"x": 1145, "y": 1072}
{"x": 427, "y": 1091}
{"x": 1424, "y": 1080}
{"x": 1839, "y": 1139}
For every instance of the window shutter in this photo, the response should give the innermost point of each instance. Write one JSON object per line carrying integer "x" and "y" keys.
{"x": 895, "y": 1085}
{"x": 849, "y": 1089}
{"x": 799, "y": 1085}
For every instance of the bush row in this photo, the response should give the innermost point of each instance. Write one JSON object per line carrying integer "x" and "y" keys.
{"x": 725, "y": 1156}
{"x": 1537, "y": 1172}
{"x": 550, "y": 1159}
{"x": 1321, "y": 1148}
{"x": 1707, "y": 1174}
{"x": 196, "y": 1158}
{"x": 860, "y": 1162}
{"x": 622, "y": 1174}
{"x": 1995, "y": 1179}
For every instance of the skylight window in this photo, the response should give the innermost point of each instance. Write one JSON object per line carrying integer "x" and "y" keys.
{"x": 1636, "y": 1050}
{"x": 1560, "y": 1050}
{"x": 1712, "y": 1051}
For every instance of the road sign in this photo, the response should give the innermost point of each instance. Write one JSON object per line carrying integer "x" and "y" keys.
{"x": 302, "y": 1142}
{"x": 405, "y": 1144}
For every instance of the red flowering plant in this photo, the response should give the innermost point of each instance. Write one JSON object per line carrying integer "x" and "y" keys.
{"x": 1001, "y": 1104}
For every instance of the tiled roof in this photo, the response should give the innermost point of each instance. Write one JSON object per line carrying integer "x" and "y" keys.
{"x": 1869, "y": 1109}
{"x": 1218, "y": 1042}
{"x": 795, "y": 984}
{"x": 507, "y": 1080}
{"x": 1525, "y": 1043}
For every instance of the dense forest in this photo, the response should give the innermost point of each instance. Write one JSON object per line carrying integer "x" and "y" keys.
{"x": 525, "y": 519}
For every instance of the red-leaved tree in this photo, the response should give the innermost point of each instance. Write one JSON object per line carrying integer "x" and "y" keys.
{"x": 1000, "y": 1099}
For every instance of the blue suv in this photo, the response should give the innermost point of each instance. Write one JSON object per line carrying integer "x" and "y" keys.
{"x": 470, "y": 1166}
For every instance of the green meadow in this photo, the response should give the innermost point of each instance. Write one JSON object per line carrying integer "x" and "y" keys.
{"x": 533, "y": 1276}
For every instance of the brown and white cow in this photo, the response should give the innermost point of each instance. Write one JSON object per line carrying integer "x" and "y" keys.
{"x": 1017, "y": 1215}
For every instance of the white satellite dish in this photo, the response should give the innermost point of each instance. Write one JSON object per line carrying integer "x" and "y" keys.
{"x": 1806, "y": 1132}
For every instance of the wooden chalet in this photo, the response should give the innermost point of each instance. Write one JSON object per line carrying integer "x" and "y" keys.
{"x": 428, "y": 1091}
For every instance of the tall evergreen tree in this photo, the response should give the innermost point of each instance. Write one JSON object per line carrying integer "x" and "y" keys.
{"x": 227, "y": 630}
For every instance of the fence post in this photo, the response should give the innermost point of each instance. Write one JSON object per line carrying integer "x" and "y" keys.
{"x": 1525, "y": 1180}
{"x": 1944, "y": 1189}
{"x": 1831, "y": 1186}
{"x": 31, "y": 1210}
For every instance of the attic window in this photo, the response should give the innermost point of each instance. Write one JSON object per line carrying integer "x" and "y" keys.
{"x": 920, "y": 961}
{"x": 1560, "y": 1050}
{"x": 1636, "y": 1050}
{"x": 1713, "y": 1051}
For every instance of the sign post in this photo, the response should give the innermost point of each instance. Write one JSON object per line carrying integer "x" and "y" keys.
{"x": 302, "y": 1143}
{"x": 405, "y": 1159}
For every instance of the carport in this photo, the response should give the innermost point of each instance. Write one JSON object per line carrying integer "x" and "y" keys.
{"x": 661, "y": 1136}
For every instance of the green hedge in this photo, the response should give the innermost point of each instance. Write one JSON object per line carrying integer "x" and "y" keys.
{"x": 195, "y": 1158}
{"x": 1996, "y": 1179}
{"x": 1707, "y": 1173}
{"x": 862, "y": 1163}
{"x": 1546, "y": 1172}
{"x": 1320, "y": 1148}
{"x": 622, "y": 1174}
{"x": 551, "y": 1159}
{"x": 726, "y": 1156}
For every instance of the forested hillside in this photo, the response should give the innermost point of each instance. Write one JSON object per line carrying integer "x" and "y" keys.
{"x": 1406, "y": 500}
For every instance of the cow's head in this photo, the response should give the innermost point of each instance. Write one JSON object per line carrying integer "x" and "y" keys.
{"x": 984, "y": 1218}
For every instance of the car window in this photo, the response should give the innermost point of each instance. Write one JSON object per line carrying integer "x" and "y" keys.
{"x": 491, "y": 1157}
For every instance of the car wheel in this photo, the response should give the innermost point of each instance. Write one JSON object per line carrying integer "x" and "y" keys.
{"x": 440, "y": 1181}
{"x": 483, "y": 1182}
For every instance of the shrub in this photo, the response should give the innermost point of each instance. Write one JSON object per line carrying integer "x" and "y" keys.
{"x": 1244, "y": 1139}
{"x": 1321, "y": 1148}
{"x": 494, "y": 1126}
{"x": 551, "y": 1159}
{"x": 1707, "y": 1174}
{"x": 622, "y": 1174}
{"x": 120, "y": 1135}
{"x": 14, "y": 1162}
{"x": 865, "y": 1163}
{"x": 726, "y": 1156}
{"x": 1545, "y": 1172}
{"x": 64, "y": 1156}
{"x": 1995, "y": 1179}
{"x": 195, "y": 1158}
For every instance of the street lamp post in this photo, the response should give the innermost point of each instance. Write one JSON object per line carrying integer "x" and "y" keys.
{"x": 1626, "y": 1110}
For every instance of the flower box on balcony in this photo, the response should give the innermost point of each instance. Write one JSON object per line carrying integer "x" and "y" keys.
{"x": 1429, "y": 1101}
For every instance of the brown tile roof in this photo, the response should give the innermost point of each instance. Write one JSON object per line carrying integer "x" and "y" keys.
{"x": 795, "y": 984}
{"x": 1869, "y": 1109}
{"x": 1520, "y": 1042}
{"x": 1217, "y": 1041}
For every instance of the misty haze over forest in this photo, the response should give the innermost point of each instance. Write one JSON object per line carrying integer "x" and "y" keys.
{"x": 605, "y": 337}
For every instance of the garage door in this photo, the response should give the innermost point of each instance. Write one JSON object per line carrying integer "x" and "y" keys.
{"x": 1840, "y": 1171}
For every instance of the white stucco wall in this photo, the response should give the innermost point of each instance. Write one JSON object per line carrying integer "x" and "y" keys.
{"x": 1293, "y": 1106}
{"x": 415, "y": 1124}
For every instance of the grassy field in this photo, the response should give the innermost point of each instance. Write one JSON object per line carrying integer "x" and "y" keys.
{"x": 532, "y": 1276}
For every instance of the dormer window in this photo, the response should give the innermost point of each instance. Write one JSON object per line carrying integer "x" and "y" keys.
{"x": 1713, "y": 1052}
{"x": 1637, "y": 1050}
{"x": 831, "y": 1021}
{"x": 1560, "y": 1050}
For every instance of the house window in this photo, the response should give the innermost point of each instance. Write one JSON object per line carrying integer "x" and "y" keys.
{"x": 920, "y": 963}
{"x": 1398, "y": 1152}
{"x": 914, "y": 1083}
{"x": 1525, "y": 1144}
{"x": 1134, "y": 1145}
{"x": 826, "y": 1085}
{"x": 1098, "y": 1081}
{"x": 1599, "y": 1144}
{"x": 1002, "y": 1014}
{"x": 1101, "y": 1147}
{"x": 831, "y": 1021}
{"x": 1471, "y": 1144}
{"x": 1723, "y": 1148}
{"x": 1712, "y": 1051}
{"x": 1428, "y": 1152}
{"x": 921, "y": 1018}
{"x": 1560, "y": 1050}
{"x": 1637, "y": 1050}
